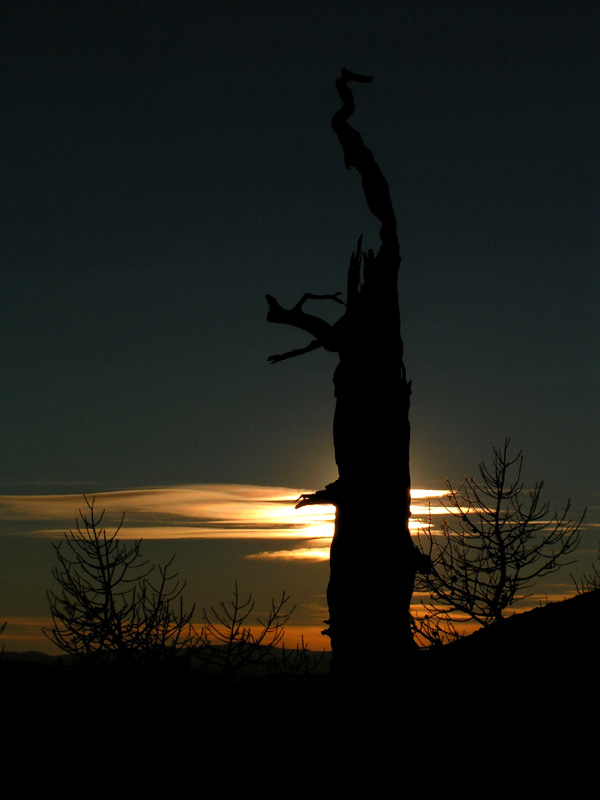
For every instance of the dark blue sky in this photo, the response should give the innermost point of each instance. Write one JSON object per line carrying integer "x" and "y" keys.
{"x": 167, "y": 164}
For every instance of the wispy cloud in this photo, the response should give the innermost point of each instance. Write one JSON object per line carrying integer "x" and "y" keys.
{"x": 190, "y": 510}
{"x": 203, "y": 510}
{"x": 198, "y": 511}
{"x": 316, "y": 552}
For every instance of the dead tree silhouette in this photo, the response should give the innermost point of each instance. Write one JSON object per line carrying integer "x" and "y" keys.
{"x": 372, "y": 560}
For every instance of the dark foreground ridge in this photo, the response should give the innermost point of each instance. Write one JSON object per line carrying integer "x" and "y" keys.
{"x": 557, "y": 630}
{"x": 535, "y": 669}
{"x": 537, "y": 665}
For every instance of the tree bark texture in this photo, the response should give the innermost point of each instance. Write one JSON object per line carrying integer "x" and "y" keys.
{"x": 372, "y": 558}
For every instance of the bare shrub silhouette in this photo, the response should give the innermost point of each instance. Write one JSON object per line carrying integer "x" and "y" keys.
{"x": 113, "y": 605}
{"x": 231, "y": 646}
{"x": 589, "y": 581}
{"x": 435, "y": 627}
{"x": 112, "y": 601}
{"x": 499, "y": 540}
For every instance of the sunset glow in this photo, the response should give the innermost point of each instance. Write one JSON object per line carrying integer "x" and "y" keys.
{"x": 202, "y": 511}
{"x": 193, "y": 511}
{"x": 271, "y": 535}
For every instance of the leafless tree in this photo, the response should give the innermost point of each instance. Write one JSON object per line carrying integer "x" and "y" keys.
{"x": 589, "y": 581}
{"x": 111, "y": 600}
{"x": 498, "y": 541}
{"x": 371, "y": 429}
{"x": 230, "y": 645}
{"x": 113, "y": 605}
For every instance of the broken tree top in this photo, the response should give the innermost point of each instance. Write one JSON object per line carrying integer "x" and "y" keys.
{"x": 379, "y": 271}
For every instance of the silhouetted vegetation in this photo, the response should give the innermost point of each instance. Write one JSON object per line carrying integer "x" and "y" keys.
{"x": 498, "y": 541}
{"x": 229, "y": 646}
{"x": 114, "y": 607}
{"x": 112, "y": 601}
{"x": 589, "y": 581}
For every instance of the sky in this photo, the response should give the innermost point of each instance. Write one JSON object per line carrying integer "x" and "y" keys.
{"x": 168, "y": 164}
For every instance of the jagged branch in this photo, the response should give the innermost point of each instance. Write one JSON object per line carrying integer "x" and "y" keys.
{"x": 330, "y": 495}
{"x": 324, "y": 333}
{"x": 353, "y": 282}
{"x": 307, "y": 296}
{"x": 314, "y": 345}
{"x": 358, "y": 155}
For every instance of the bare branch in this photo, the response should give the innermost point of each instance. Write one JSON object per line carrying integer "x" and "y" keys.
{"x": 498, "y": 541}
{"x": 111, "y": 600}
{"x": 314, "y": 345}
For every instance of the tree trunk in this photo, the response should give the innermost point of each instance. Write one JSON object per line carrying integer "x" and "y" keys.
{"x": 372, "y": 559}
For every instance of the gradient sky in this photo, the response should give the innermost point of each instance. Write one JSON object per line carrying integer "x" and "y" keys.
{"x": 167, "y": 164}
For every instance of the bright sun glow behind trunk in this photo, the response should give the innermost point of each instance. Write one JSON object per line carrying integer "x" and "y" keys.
{"x": 215, "y": 511}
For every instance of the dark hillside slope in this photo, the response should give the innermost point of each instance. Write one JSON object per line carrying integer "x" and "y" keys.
{"x": 537, "y": 665}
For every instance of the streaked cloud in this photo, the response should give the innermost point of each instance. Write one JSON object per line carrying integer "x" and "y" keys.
{"x": 313, "y": 553}
{"x": 197, "y": 511}
{"x": 203, "y": 510}
{"x": 190, "y": 510}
